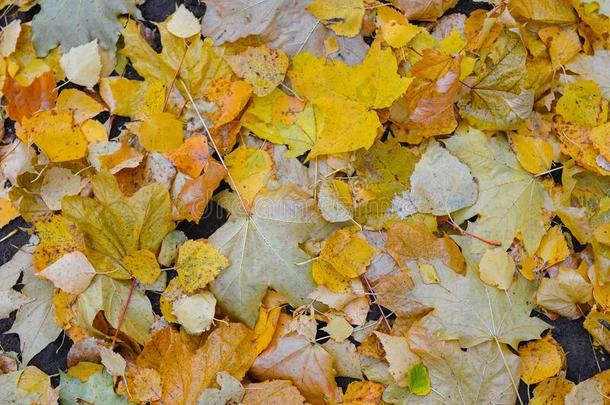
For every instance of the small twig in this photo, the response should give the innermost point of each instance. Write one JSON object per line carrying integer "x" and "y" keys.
{"x": 124, "y": 312}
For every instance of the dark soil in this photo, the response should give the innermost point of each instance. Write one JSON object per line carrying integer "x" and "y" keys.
{"x": 584, "y": 361}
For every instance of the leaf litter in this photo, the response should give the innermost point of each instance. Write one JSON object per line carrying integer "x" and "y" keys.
{"x": 403, "y": 191}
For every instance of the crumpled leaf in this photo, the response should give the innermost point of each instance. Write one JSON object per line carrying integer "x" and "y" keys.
{"x": 263, "y": 251}
{"x": 510, "y": 199}
{"x": 541, "y": 359}
{"x": 88, "y": 21}
{"x": 497, "y": 99}
{"x": 440, "y": 183}
{"x": 115, "y": 226}
{"x": 186, "y": 371}
{"x": 468, "y": 310}
{"x": 98, "y": 389}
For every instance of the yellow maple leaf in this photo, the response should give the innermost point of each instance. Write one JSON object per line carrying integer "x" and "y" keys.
{"x": 342, "y": 16}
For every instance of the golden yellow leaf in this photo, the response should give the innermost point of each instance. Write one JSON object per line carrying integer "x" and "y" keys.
{"x": 142, "y": 264}
{"x": 602, "y": 234}
{"x": 94, "y": 131}
{"x": 582, "y": 104}
{"x": 251, "y": 169}
{"x": 563, "y": 44}
{"x": 262, "y": 67}
{"x": 58, "y": 236}
{"x": 553, "y": 247}
{"x": 576, "y": 143}
{"x": 497, "y": 268}
{"x": 534, "y": 154}
{"x": 84, "y": 370}
{"x": 344, "y": 96}
{"x": 363, "y": 393}
{"x": 344, "y": 256}
{"x": 198, "y": 263}
{"x": 267, "y": 321}
{"x": 56, "y": 134}
{"x": 161, "y": 132}
{"x": 551, "y": 391}
{"x": 82, "y": 105}
{"x": 342, "y": 16}
{"x": 124, "y": 157}
{"x": 140, "y": 384}
{"x": 541, "y": 359}
{"x": 8, "y": 212}
{"x": 133, "y": 98}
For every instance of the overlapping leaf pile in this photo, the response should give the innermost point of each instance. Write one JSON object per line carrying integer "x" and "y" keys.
{"x": 447, "y": 173}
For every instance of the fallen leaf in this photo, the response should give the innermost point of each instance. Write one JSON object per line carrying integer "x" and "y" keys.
{"x": 363, "y": 393}
{"x": 195, "y": 312}
{"x": 98, "y": 389}
{"x": 345, "y": 256}
{"x": 263, "y": 251}
{"x": 98, "y": 21}
{"x": 551, "y": 391}
{"x": 541, "y": 359}
{"x": 198, "y": 264}
{"x": 468, "y": 310}
{"x": 262, "y": 67}
{"x": 251, "y": 169}
{"x": 25, "y": 101}
{"x": 115, "y": 363}
{"x": 83, "y": 64}
{"x": 274, "y": 391}
{"x": 399, "y": 356}
{"x": 11, "y": 300}
{"x": 192, "y": 156}
{"x": 497, "y": 268}
{"x": 72, "y": 273}
{"x": 161, "y": 132}
{"x": 307, "y": 365}
{"x": 342, "y": 16}
{"x": 59, "y": 182}
{"x": 563, "y": 293}
{"x": 82, "y": 105}
{"x": 143, "y": 265}
{"x": 182, "y": 23}
{"x": 440, "y": 183}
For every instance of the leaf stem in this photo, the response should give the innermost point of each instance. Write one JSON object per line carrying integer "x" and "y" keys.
{"x": 124, "y": 311}
{"x": 472, "y": 235}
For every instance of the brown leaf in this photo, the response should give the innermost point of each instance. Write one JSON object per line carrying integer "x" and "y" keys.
{"x": 25, "y": 101}
{"x": 196, "y": 193}
{"x": 307, "y": 365}
{"x": 273, "y": 392}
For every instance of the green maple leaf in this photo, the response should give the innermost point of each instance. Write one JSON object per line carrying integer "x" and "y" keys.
{"x": 468, "y": 310}
{"x": 71, "y": 23}
{"x": 263, "y": 249}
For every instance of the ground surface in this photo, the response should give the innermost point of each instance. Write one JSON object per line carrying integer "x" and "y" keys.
{"x": 583, "y": 360}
